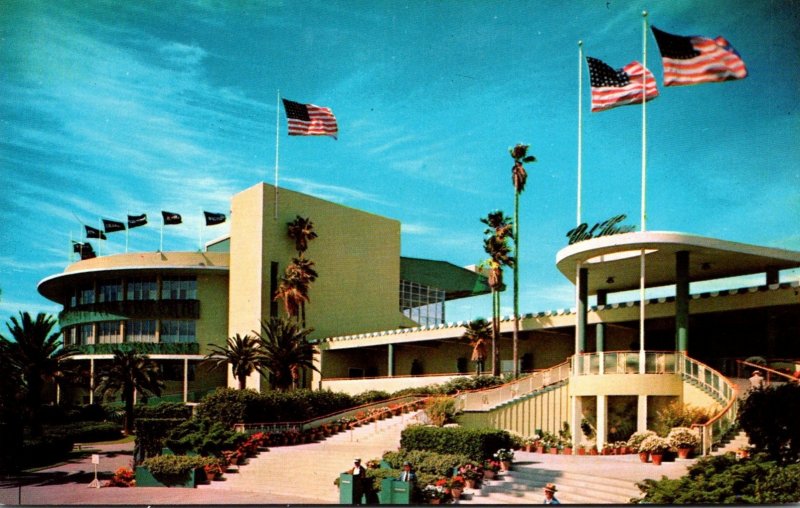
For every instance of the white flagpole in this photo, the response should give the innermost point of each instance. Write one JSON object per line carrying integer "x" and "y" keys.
{"x": 580, "y": 126}
{"x": 71, "y": 249}
{"x": 127, "y": 230}
{"x": 644, "y": 194}
{"x": 100, "y": 240}
{"x": 161, "y": 244}
{"x": 200, "y": 227}
{"x": 277, "y": 144}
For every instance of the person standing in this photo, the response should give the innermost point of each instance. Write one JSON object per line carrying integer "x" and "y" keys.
{"x": 359, "y": 474}
{"x": 408, "y": 475}
{"x": 757, "y": 380}
{"x": 549, "y": 494}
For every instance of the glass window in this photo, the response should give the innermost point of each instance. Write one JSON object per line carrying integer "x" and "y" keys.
{"x": 172, "y": 370}
{"x": 110, "y": 291}
{"x": 108, "y": 332}
{"x": 422, "y": 304}
{"x": 86, "y": 334}
{"x": 85, "y": 295}
{"x": 179, "y": 288}
{"x": 142, "y": 289}
{"x": 177, "y": 331}
{"x": 140, "y": 330}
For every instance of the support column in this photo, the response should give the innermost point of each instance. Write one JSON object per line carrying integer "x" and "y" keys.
{"x": 602, "y": 421}
{"x": 575, "y": 421}
{"x": 185, "y": 380}
{"x": 582, "y": 287}
{"x": 641, "y": 414}
{"x": 391, "y": 360}
{"x": 600, "y": 327}
{"x": 682, "y": 301}
{"x": 773, "y": 276}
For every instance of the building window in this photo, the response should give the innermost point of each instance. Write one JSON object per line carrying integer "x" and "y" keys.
{"x": 85, "y": 295}
{"x": 142, "y": 289}
{"x": 110, "y": 291}
{"x": 108, "y": 332}
{"x": 70, "y": 336}
{"x": 179, "y": 288}
{"x": 140, "y": 330}
{"x": 172, "y": 370}
{"x": 422, "y": 304}
{"x": 177, "y": 331}
{"x": 85, "y": 334}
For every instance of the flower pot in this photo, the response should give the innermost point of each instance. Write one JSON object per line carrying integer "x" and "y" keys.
{"x": 581, "y": 451}
{"x": 644, "y": 456}
{"x": 528, "y": 448}
{"x": 505, "y": 465}
{"x": 489, "y": 474}
{"x": 568, "y": 450}
{"x": 435, "y": 501}
{"x": 657, "y": 458}
{"x": 554, "y": 451}
{"x": 593, "y": 451}
{"x": 540, "y": 449}
{"x": 456, "y": 493}
{"x": 683, "y": 453}
{"x": 470, "y": 484}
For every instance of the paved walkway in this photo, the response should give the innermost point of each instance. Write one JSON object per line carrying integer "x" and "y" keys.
{"x": 67, "y": 484}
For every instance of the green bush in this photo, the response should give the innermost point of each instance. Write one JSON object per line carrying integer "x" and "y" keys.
{"x": 769, "y": 416}
{"x": 438, "y": 464}
{"x": 725, "y": 479}
{"x": 164, "y": 410}
{"x": 678, "y": 414}
{"x": 47, "y": 449}
{"x": 173, "y": 467}
{"x": 370, "y": 396}
{"x": 441, "y": 410}
{"x": 203, "y": 436}
{"x": 476, "y": 444}
{"x": 87, "y": 432}
{"x": 467, "y": 383}
{"x": 151, "y": 433}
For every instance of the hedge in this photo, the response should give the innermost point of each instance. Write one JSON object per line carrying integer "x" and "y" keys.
{"x": 439, "y": 464}
{"x": 164, "y": 410}
{"x": 87, "y": 432}
{"x": 151, "y": 434}
{"x": 477, "y": 444}
{"x": 203, "y": 436}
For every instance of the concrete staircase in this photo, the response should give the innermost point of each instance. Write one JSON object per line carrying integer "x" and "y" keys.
{"x": 738, "y": 441}
{"x": 308, "y": 470}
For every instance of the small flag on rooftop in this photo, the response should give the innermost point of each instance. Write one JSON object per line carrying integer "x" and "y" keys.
{"x": 84, "y": 249}
{"x": 112, "y": 226}
{"x": 694, "y": 59}
{"x": 620, "y": 87}
{"x": 171, "y": 218}
{"x": 94, "y": 233}
{"x": 212, "y": 219}
{"x": 134, "y": 221}
{"x": 310, "y": 120}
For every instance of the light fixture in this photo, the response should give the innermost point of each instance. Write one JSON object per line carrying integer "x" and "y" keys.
{"x": 610, "y": 280}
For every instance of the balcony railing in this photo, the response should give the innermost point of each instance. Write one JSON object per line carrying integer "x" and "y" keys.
{"x": 130, "y": 309}
{"x": 146, "y": 348}
{"x": 489, "y": 398}
{"x": 625, "y": 362}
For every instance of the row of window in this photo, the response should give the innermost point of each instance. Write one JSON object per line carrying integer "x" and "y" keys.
{"x": 173, "y": 288}
{"x": 134, "y": 330}
{"x": 423, "y": 304}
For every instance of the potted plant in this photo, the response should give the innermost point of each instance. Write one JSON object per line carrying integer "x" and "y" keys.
{"x": 504, "y": 456}
{"x": 490, "y": 469}
{"x": 581, "y": 449}
{"x": 684, "y": 440}
{"x": 433, "y": 494}
{"x": 655, "y": 446}
{"x": 472, "y": 474}
{"x": 456, "y": 486}
{"x": 635, "y": 441}
{"x": 743, "y": 452}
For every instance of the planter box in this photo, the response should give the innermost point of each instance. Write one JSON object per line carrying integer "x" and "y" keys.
{"x": 144, "y": 478}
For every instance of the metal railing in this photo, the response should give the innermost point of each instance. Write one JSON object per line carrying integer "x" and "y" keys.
{"x": 489, "y": 398}
{"x": 625, "y": 362}
{"x": 719, "y": 387}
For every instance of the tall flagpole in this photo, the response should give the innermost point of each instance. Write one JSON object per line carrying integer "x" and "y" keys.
{"x": 161, "y": 244}
{"x": 580, "y": 126}
{"x": 127, "y": 230}
{"x": 277, "y": 142}
{"x": 644, "y": 194}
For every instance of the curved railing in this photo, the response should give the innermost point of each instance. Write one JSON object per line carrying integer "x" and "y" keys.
{"x": 489, "y": 398}
{"x": 625, "y": 362}
{"x": 722, "y": 389}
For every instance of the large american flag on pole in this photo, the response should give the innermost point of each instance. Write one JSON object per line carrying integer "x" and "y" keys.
{"x": 310, "y": 120}
{"x": 694, "y": 59}
{"x": 620, "y": 87}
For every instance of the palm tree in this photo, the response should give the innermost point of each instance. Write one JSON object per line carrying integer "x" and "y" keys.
{"x": 518, "y": 177}
{"x": 285, "y": 350}
{"x": 242, "y": 353}
{"x": 477, "y": 332}
{"x": 293, "y": 290}
{"x": 496, "y": 245}
{"x": 35, "y": 355}
{"x": 301, "y": 230}
{"x": 129, "y": 372}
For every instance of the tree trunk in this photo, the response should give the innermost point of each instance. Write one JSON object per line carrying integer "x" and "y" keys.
{"x": 496, "y": 334}
{"x": 128, "y": 396}
{"x": 515, "y": 369}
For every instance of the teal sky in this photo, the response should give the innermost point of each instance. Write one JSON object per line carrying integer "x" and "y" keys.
{"x": 110, "y": 108}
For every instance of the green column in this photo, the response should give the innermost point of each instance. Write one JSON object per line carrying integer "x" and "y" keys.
{"x": 682, "y": 300}
{"x": 600, "y": 328}
{"x": 391, "y": 360}
{"x": 583, "y": 297}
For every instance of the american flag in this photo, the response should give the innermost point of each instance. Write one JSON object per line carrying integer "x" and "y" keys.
{"x": 695, "y": 59}
{"x": 612, "y": 88}
{"x": 310, "y": 120}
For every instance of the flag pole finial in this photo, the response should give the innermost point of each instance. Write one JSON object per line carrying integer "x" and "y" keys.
{"x": 644, "y": 14}
{"x": 580, "y": 43}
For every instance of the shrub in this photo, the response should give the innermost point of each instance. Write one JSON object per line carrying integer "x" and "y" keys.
{"x": 436, "y": 464}
{"x": 476, "y": 444}
{"x": 164, "y": 410}
{"x": 88, "y": 432}
{"x": 152, "y": 432}
{"x": 46, "y": 449}
{"x": 769, "y": 417}
{"x": 172, "y": 467}
{"x": 370, "y": 396}
{"x": 203, "y": 436}
{"x": 441, "y": 410}
{"x": 654, "y": 444}
{"x": 679, "y": 414}
{"x": 725, "y": 480}
{"x": 228, "y": 406}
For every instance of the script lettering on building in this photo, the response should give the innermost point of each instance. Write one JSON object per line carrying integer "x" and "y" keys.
{"x": 609, "y": 227}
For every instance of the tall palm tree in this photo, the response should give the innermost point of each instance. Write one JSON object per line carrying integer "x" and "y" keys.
{"x": 495, "y": 244}
{"x": 477, "y": 332}
{"x": 301, "y": 230}
{"x": 242, "y": 353}
{"x": 300, "y": 274}
{"x": 293, "y": 290}
{"x": 285, "y": 350}
{"x": 35, "y": 354}
{"x": 129, "y": 372}
{"x": 518, "y": 177}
